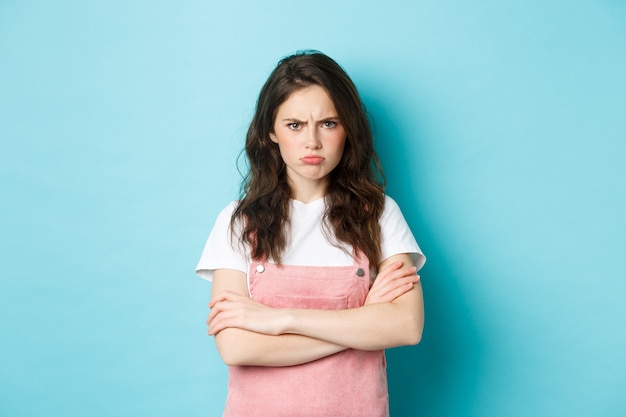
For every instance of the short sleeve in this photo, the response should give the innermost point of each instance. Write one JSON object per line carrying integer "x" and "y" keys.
{"x": 222, "y": 249}
{"x": 397, "y": 236}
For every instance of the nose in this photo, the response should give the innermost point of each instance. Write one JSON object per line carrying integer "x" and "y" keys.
{"x": 313, "y": 140}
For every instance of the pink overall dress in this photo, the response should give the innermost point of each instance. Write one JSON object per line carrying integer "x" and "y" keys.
{"x": 351, "y": 383}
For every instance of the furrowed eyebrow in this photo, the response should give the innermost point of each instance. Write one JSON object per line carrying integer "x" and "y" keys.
{"x": 325, "y": 119}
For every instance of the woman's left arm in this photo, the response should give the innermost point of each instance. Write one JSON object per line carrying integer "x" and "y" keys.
{"x": 370, "y": 327}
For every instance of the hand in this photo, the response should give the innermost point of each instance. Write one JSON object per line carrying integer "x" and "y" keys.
{"x": 230, "y": 309}
{"x": 391, "y": 282}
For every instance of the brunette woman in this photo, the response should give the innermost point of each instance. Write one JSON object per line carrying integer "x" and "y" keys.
{"x": 314, "y": 269}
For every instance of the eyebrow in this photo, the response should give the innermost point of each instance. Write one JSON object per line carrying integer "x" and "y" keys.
{"x": 293, "y": 119}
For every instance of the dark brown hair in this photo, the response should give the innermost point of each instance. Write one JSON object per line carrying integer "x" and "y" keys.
{"x": 355, "y": 193}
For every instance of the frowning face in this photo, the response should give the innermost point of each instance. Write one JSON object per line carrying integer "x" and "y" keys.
{"x": 311, "y": 139}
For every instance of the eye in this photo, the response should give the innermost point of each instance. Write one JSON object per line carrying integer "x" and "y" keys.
{"x": 329, "y": 124}
{"x": 294, "y": 126}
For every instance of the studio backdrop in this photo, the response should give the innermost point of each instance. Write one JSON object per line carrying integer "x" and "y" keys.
{"x": 501, "y": 127}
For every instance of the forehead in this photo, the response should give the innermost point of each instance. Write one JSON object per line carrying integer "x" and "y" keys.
{"x": 307, "y": 101}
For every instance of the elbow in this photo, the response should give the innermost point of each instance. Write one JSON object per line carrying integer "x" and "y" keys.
{"x": 230, "y": 358}
{"x": 236, "y": 358}
{"x": 413, "y": 338}
{"x": 412, "y": 333}
{"x": 230, "y": 351}
{"x": 410, "y": 317}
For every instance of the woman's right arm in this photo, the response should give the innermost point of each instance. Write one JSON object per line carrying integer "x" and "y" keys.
{"x": 243, "y": 347}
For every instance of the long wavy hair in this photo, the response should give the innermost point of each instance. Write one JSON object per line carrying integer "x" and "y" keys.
{"x": 355, "y": 193}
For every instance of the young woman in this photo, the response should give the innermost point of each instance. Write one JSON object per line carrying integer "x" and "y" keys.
{"x": 314, "y": 269}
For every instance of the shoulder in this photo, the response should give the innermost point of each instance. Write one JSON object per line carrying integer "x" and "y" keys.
{"x": 223, "y": 228}
{"x": 391, "y": 209}
{"x": 228, "y": 210}
{"x": 390, "y": 202}
{"x": 224, "y": 216}
{"x": 223, "y": 250}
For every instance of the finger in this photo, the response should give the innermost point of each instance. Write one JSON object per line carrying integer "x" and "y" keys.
{"x": 218, "y": 308}
{"x": 215, "y": 309}
{"x": 215, "y": 329}
{"x": 397, "y": 278}
{"x": 409, "y": 270}
{"x": 211, "y": 317}
{"x": 220, "y": 322}
{"x": 392, "y": 266}
{"x": 391, "y": 285}
{"x": 398, "y": 287}
{"x": 384, "y": 288}
{"x": 396, "y": 272}
{"x": 401, "y": 275}
{"x": 225, "y": 296}
{"x": 399, "y": 291}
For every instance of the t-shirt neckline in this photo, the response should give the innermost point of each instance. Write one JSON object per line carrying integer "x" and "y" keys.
{"x": 313, "y": 203}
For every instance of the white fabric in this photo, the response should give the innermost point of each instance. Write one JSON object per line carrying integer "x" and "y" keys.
{"x": 308, "y": 245}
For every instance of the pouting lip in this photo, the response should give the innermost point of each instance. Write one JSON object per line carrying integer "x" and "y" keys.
{"x": 312, "y": 159}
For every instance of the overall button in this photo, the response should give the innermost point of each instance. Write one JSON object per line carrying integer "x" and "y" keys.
{"x": 260, "y": 269}
{"x": 360, "y": 272}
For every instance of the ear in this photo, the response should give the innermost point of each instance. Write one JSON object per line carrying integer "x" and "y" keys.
{"x": 273, "y": 138}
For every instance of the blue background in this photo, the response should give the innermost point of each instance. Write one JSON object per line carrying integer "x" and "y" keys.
{"x": 502, "y": 129}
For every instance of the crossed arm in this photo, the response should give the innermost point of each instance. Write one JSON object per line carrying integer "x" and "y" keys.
{"x": 250, "y": 333}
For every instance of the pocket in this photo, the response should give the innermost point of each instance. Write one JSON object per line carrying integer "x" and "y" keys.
{"x": 312, "y": 302}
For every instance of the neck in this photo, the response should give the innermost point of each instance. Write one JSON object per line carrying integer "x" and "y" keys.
{"x": 307, "y": 191}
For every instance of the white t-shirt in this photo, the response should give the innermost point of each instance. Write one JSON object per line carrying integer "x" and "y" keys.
{"x": 307, "y": 244}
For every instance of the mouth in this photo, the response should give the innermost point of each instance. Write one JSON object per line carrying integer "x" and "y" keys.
{"x": 312, "y": 160}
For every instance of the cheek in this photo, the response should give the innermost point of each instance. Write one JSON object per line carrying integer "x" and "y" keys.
{"x": 339, "y": 141}
{"x": 286, "y": 145}
{"x": 335, "y": 137}
{"x": 287, "y": 149}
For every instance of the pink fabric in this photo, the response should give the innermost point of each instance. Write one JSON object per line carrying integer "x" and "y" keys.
{"x": 352, "y": 383}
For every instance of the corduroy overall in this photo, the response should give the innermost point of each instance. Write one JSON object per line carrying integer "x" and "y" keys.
{"x": 351, "y": 383}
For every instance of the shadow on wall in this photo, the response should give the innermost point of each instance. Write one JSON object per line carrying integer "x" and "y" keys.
{"x": 439, "y": 376}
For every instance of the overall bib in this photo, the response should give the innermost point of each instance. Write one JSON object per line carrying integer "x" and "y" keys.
{"x": 351, "y": 383}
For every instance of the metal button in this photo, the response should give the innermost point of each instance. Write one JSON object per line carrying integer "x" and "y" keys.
{"x": 260, "y": 269}
{"x": 360, "y": 272}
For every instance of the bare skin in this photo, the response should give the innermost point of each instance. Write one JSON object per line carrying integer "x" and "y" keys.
{"x": 250, "y": 333}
